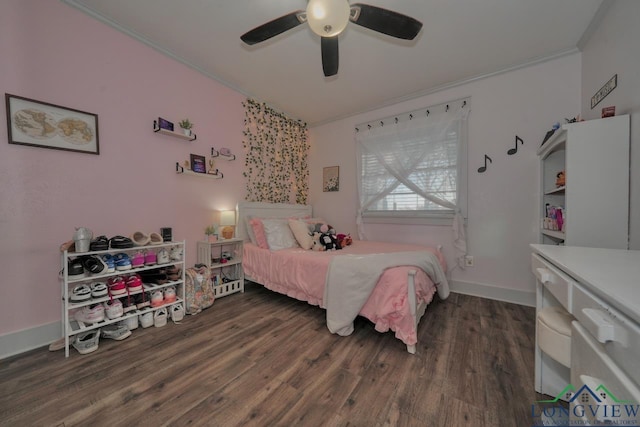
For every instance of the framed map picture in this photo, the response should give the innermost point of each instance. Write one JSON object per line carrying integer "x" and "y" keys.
{"x": 40, "y": 124}
{"x": 331, "y": 178}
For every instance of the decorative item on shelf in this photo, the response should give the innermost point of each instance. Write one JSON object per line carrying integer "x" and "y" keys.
{"x": 223, "y": 152}
{"x": 164, "y": 124}
{"x": 560, "y": 179}
{"x": 198, "y": 163}
{"x": 608, "y": 112}
{"x": 186, "y": 126}
{"x": 211, "y": 234}
{"x": 228, "y": 222}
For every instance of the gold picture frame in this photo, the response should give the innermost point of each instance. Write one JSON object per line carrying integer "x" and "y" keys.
{"x": 331, "y": 179}
{"x": 41, "y": 124}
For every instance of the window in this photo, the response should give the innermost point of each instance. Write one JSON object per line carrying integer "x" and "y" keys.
{"x": 415, "y": 168}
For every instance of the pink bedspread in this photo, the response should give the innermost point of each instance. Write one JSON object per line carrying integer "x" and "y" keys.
{"x": 301, "y": 274}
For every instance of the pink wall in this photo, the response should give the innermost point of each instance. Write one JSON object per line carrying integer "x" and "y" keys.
{"x": 54, "y": 53}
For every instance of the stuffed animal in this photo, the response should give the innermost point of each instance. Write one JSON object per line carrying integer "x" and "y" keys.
{"x": 344, "y": 240}
{"x": 316, "y": 245}
{"x": 329, "y": 241}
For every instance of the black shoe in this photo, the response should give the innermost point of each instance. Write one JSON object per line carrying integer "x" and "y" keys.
{"x": 121, "y": 242}
{"x": 100, "y": 243}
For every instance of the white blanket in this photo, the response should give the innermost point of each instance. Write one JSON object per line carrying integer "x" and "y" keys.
{"x": 351, "y": 279}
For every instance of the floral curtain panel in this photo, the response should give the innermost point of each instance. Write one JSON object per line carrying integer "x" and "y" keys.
{"x": 276, "y": 156}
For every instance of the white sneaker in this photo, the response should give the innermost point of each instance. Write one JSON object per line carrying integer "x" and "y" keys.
{"x": 176, "y": 253}
{"x": 146, "y": 319}
{"x": 160, "y": 317}
{"x": 177, "y": 312}
{"x": 162, "y": 257}
{"x": 87, "y": 342}
{"x": 130, "y": 322}
{"x": 113, "y": 308}
{"x": 115, "y": 332}
{"x": 90, "y": 314}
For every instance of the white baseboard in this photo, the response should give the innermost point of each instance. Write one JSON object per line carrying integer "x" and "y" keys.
{"x": 28, "y": 339}
{"x": 494, "y": 292}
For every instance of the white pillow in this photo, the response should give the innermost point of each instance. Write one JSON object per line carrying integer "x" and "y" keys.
{"x": 278, "y": 234}
{"x": 300, "y": 231}
{"x": 249, "y": 229}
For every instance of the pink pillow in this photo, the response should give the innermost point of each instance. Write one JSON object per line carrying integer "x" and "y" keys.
{"x": 258, "y": 231}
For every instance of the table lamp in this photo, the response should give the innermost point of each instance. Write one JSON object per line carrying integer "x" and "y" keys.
{"x": 227, "y": 222}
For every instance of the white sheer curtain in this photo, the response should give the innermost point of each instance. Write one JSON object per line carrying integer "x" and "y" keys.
{"x": 423, "y": 155}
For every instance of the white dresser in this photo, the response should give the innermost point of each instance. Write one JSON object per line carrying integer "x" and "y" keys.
{"x": 600, "y": 289}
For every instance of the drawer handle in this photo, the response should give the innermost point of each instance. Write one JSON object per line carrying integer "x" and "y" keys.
{"x": 598, "y": 324}
{"x": 545, "y": 275}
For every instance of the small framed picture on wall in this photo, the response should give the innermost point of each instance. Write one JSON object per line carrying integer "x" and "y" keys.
{"x": 331, "y": 178}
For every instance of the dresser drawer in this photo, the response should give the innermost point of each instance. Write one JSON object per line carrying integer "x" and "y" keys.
{"x": 558, "y": 283}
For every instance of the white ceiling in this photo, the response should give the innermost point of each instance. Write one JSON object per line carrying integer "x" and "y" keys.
{"x": 460, "y": 40}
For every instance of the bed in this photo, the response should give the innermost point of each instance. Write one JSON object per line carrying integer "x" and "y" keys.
{"x": 389, "y": 284}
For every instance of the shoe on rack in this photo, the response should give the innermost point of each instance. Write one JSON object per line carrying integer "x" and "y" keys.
{"x": 99, "y": 289}
{"x": 87, "y": 342}
{"x": 146, "y": 319}
{"x": 130, "y": 322}
{"x": 110, "y": 263}
{"x": 134, "y": 283}
{"x": 142, "y": 301}
{"x": 157, "y": 298}
{"x": 93, "y": 264}
{"x": 100, "y": 243}
{"x": 163, "y": 256}
{"x": 140, "y": 239}
{"x": 156, "y": 238}
{"x": 76, "y": 270}
{"x": 160, "y": 317}
{"x": 150, "y": 258}
{"x": 176, "y": 311}
{"x": 137, "y": 260}
{"x": 113, "y": 308}
{"x": 120, "y": 242}
{"x": 122, "y": 261}
{"x": 117, "y": 286}
{"x": 115, "y": 332}
{"x": 90, "y": 314}
{"x": 176, "y": 253}
{"x": 129, "y": 305}
{"x": 169, "y": 294}
{"x": 173, "y": 273}
{"x": 80, "y": 293}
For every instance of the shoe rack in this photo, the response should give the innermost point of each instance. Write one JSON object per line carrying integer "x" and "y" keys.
{"x": 71, "y": 327}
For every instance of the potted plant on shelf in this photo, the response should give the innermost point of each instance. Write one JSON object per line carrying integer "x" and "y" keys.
{"x": 210, "y": 232}
{"x": 186, "y": 126}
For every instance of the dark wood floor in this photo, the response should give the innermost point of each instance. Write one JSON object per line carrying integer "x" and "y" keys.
{"x": 262, "y": 359}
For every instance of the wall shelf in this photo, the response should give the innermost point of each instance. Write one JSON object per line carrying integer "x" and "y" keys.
{"x": 157, "y": 129}
{"x": 182, "y": 170}
{"x": 216, "y": 153}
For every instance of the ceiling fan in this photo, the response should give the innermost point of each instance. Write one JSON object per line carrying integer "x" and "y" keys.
{"x": 328, "y": 18}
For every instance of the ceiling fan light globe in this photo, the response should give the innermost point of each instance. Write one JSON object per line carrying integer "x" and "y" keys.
{"x": 328, "y": 18}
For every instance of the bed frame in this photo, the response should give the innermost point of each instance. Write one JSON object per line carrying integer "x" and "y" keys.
{"x": 284, "y": 210}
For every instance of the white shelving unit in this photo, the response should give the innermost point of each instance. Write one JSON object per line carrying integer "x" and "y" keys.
{"x": 595, "y": 157}
{"x": 230, "y": 273}
{"x": 72, "y": 327}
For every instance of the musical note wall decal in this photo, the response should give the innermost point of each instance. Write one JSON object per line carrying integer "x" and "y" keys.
{"x": 515, "y": 150}
{"x": 483, "y": 169}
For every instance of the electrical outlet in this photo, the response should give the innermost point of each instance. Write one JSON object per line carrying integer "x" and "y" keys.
{"x": 468, "y": 261}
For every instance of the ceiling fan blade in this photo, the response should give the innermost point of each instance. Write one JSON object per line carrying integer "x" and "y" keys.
{"x": 329, "y": 55}
{"x": 385, "y": 21}
{"x": 272, "y": 28}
